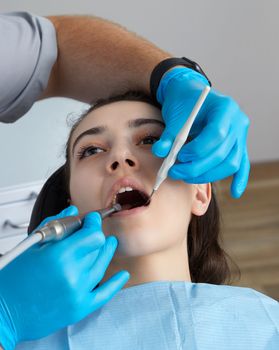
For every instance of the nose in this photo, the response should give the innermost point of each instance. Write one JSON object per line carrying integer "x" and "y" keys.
{"x": 122, "y": 161}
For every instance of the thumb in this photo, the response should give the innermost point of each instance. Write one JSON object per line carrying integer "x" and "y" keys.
{"x": 162, "y": 147}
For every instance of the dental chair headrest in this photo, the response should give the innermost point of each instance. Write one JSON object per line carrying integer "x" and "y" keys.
{"x": 51, "y": 199}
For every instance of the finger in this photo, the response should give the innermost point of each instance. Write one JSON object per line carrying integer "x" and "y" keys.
{"x": 99, "y": 267}
{"x": 92, "y": 267}
{"x": 162, "y": 147}
{"x": 70, "y": 211}
{"x": 87, "y": 239}
{"x": 240, "y": 178}
{"x": 200, "y": 166}
{"x": 227, "y": 168}
{"x": 101, "y": 295}
{"x": 210, "y": 138}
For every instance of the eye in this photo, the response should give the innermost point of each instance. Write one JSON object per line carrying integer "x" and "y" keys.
{"x": 88, "y": 151}
{"x": 149, "y": 140}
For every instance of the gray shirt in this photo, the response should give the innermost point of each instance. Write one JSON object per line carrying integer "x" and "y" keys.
{"x": 28, "y": 50}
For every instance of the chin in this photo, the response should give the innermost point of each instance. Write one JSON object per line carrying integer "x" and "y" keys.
{"x": 136, "y": 243}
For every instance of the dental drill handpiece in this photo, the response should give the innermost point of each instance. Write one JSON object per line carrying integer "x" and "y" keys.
{"x": 54, "y": 230}
{"x": 60, "y": 228}
{"x": 179, "y": 142}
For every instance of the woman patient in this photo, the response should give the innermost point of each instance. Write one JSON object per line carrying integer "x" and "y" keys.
{"x": 109, "y": 152}
{"x": 174, "y": 298}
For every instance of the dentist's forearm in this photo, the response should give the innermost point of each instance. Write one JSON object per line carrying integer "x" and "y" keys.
{"x": 97, "y": 58}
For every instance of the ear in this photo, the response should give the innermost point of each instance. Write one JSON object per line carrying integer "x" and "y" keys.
{"x": 201, "y": 198}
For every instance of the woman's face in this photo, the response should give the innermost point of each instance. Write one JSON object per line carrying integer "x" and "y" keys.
{"x": 110, "y": 150}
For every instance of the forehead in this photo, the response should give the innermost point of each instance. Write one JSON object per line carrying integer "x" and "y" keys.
{"x": 117, "y": 114}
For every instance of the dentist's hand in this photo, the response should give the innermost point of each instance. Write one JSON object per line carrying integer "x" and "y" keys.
{"x": 51, "y": 286}
{"x": 218, "y": 147}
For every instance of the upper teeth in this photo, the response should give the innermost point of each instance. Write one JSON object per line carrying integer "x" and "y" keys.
{"x": 123, "y": 189}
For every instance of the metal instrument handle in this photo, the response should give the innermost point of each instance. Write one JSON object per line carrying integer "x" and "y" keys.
{"x": 8, "y": 223}
{"x": 16, "y": 226}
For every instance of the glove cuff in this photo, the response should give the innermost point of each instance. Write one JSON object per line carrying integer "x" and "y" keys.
{"x": 167, "y": 64}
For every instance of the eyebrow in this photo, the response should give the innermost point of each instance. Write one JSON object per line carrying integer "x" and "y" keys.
{"x": 135, "y": 123}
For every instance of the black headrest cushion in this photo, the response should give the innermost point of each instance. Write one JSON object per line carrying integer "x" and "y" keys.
{"x": 52, "y": 198}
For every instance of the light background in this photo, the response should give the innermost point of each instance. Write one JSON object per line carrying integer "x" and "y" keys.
{"x": 236, "y": 42}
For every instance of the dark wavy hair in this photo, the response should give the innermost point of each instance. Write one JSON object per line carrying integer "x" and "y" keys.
{"x": 208, "y": 262}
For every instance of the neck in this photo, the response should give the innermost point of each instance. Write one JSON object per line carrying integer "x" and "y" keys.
{"x": 167, "y": 265}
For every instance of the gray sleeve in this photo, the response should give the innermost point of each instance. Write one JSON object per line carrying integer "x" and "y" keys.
{"x": 28, "y": 50}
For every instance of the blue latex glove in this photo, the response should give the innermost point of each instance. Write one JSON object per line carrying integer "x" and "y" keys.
{"x": 50, "y": 286}
{"x": 218, "y": 147}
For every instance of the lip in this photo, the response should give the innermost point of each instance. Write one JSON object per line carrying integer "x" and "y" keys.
{"x": 129, "y": 212}
{"x": 124, "y": 182}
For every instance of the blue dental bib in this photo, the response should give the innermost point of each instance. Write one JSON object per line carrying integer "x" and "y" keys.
{"x": 169, "y": 315}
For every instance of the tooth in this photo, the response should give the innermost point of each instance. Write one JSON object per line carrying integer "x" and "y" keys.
{"x": 121, "y": 190}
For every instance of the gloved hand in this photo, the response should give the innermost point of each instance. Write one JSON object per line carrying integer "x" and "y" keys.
{"x": 50, "y": 286}
{"x": 218, "y": 147}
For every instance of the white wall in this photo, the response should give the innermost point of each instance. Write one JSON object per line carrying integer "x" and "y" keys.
{"x": 236, "y": 42}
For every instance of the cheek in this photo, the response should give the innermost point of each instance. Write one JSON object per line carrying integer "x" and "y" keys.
{"x": 84, "y": 192}
{"x": 173, "y": 205}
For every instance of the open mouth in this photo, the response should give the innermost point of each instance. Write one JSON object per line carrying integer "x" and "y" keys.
{"x": 132, "y": 199}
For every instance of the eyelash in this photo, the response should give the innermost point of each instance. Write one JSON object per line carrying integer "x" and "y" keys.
{"x": 82, "y": 152}
{"x": 146, "y": 136}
